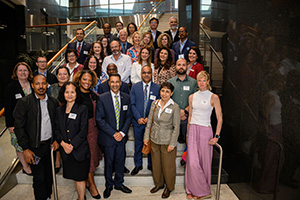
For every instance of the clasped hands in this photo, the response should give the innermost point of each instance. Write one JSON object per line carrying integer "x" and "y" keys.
{"x": 68, "y": 148}
{"x": 142, "y": 121}
{"x": 118, "y": 136}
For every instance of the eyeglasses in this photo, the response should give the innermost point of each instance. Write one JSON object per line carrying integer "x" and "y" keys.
{"x": 181, "y": 31}
{"x": 41, "y": 61}
{"x": 153, "y": 23}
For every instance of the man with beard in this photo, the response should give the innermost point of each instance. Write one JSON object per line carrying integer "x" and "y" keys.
{"x": 122, "y": 61}
{"x": 173, "y": 31}
{"x": 184, "y": 86}
{"x": 34, "y": 127}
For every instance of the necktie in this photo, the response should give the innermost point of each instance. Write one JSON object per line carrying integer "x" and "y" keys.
{"x": 145, "y": 100}
{"x": 78, "y": 49}
{"x": 117, "y": 111}
{"x": 123, "y": 48}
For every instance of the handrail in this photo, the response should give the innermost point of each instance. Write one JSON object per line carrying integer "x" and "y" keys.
{"x": 219, "y": 172}
{"x": 112, "y": 4}
{"x": 205, "y": 26}
{"x": 149, "y": 14}
{"x": 62, "y": 49}
{"x": 2, "y": 112}
{"x": 3, "y": 131}
{"x": 206, "y": 34}
{"x": 54, "y": 175}
{"x": 62, "y": 24}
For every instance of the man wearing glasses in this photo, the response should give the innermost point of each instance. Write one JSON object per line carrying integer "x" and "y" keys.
{"x": 155, "y": 33}
{"x": 41, "y": 63}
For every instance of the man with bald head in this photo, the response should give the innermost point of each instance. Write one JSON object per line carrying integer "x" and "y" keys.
{"x": 104, "y": 87}
{"x": 184, "y": 86}
{"x": 34, "y": 127}
{"x": 182, "y": 46}
{"x": 122, "y": 61}
{"x": 123, "y": 41}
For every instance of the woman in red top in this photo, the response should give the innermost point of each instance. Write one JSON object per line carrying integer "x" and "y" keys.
{"x": 194, "y": 60}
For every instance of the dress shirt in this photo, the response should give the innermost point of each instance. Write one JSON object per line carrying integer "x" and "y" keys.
{"x": 182, "y": 44}
{"x": 153, "y": 34}
{"x": 166, "y": 105}
{"x": 77, "y": 44}
{"x": 46, "y": 128}
{"x": 114, "y": 101}
{"x": 123, "y": 63}
{"x": 173, "y": 33}
{"x": 148, "y": 88}
{"x": 45, "y": 73}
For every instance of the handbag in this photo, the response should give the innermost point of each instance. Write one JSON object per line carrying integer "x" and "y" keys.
{"x": 147, "y": 148}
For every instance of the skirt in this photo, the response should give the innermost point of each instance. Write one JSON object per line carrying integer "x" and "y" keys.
{"x": 75, "y": 170}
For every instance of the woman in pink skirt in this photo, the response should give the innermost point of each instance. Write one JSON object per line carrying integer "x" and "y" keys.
{"x": 200, "y": 139}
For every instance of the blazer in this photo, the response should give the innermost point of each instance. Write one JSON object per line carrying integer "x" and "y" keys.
{"x": 51, "y": 78}
{"x": 104, "y": 87}
{"x": 106, "y": 120}
{"x": 27, "y": 115}
{"x": 85, "y": 50}
{"x": 165, "y": 129}
{"x": 195, "y": 70}
{"x": 13, "y": 92}
{"x": 186, "y": 48}
{"x": 73, "y": 130}
{"x": 156, "y": 37}
{"x": 176, "y": 38}
{"x": 137, "y": 100}
{"x": 127, "y": 47}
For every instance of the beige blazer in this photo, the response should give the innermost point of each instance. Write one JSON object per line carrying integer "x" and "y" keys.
{"x": 165, "y": 129}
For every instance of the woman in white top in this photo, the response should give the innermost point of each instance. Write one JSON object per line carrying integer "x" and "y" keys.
{"x": 72, "y": 65}
{"x": 200, "y": 139}
{"x": 144, "y": 60}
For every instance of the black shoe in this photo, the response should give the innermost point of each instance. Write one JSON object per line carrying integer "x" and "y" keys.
{"x": 57, "y": 169}
{"x": 126, "y": 171}
{"x": 29, "y": 174}
{"x": 181, "y": 140}
{"x": 123, "y": 188}
{"x": 107, "y": 192}
{"x": 149, "y": 168}
{"x": 136, "y": 170}
{"x": 96, "y": 196}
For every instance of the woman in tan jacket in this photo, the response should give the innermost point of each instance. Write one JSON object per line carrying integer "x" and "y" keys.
{"x": 164, "y": 135}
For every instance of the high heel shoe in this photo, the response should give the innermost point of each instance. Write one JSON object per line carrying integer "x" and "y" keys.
{"x": 96, "y": 196}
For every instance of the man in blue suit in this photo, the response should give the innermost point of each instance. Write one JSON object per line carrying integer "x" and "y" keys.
{"x": 113, "y": 118}
{"x": 182, "y": 46}
{"x": 82, "y": 48}
{"x": 142, "y": 95}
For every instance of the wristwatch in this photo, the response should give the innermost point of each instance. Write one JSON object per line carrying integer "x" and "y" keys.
{"x": 217, "y": 136}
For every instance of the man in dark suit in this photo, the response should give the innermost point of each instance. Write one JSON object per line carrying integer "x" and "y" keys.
{"x": 82, "y": 48}
{"x": 119, "y": 26}
{"x": 182, "y": 46}
{"x": 35, "y": 127}
{"x": 123, "y": 41}
{"x": 41, "y": 63}
{"x": 142, "y": 95}
{"x": 153, "y": 23}
{"x": 104, "y": 87}
{"x": 113, "y": 118}
{"x": 173, "y": 31}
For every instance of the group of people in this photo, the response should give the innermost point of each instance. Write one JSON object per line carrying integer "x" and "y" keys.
{"x": 87, "y": 109}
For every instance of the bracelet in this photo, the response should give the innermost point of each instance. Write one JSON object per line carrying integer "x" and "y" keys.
{"x": 217, "y": 136}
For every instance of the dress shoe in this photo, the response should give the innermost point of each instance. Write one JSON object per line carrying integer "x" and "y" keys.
{"x": 149, "y": 168}
{"x": 107, "y": 192}
{"x": 57, "y": 169}
{"x": 123, "y": 188}
{"x": 29, "y": 174}
{"x": 156, "y": 188}
{"x": 166, "y": 193}
{"x": 126, "y": 171}
{"x": 136, "y": 170}
{"x": 96, "y": 196}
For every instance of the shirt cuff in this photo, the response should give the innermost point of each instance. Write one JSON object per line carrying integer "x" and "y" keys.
{"x": 123, "y": 134}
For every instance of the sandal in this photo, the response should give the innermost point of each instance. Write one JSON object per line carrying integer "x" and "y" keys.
{"x": 203, "y": 197}
{"x": 189, "y": 196}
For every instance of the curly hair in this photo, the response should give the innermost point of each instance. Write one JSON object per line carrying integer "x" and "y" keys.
{"x": 98, "y": 69}
{"x": 159, "y": 39}
{"x": 169, "y": 61}
{"x": 78, "y": 76}
{"x": 14, "y": 74}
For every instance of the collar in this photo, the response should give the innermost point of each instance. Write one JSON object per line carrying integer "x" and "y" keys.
{"x": 45, "y": 99}
{"x": 185, "y": 79}
{"x": 144, "y": 84}
{"x": 153, "y": 31}
{"x": 45, "y": 73}
{"x": 183, "y": 43}
{"x": 170, "y": 102}
{"x": 113, "y": 94}
{"x": 112, "y": 57}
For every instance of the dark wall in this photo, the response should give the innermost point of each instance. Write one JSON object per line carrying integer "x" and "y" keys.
{"x": 12, "y": 41}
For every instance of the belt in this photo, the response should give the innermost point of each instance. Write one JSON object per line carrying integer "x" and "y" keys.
{"x": 46, "y": 141}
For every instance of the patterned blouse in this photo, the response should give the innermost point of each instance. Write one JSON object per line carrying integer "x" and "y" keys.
{"x": 163, "y": 75}
{"x": 100, "y": 80}
{"x": 133, "y": 54}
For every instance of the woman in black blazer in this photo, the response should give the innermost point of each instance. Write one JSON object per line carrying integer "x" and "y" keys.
{"x": 71, "y": 131}
{"x": 18, "y": 88}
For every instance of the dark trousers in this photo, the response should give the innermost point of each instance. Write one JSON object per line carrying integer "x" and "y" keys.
{"x": 183, "y": 129}
{"x": 138, "y": 146}
{"x": 114, "y": 159}
{"x": 42, "y": 172}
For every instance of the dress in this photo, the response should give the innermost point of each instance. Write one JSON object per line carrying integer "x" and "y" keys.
{"x": 92, "y": 137}
{"x": 133, "y": 54}
{"x": 199, "y": 152}
{"x": 161, "y": 75}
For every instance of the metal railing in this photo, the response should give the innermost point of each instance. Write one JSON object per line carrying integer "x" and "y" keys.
{"x": 219, "y": 172}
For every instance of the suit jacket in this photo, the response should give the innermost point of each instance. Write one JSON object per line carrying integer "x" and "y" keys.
{"x": 51, "y": 78}
{"x": 85, "y": 50}
{"x": 106, "y": 120}
{"x": 13, "y": 92}
{"x": 155, "y": 40}
{"x": 186, "y": 48}
{"x": 137, "y": 100}
{"x": 176, "y": 38}
{"x": 127, "y": 47}
{"x": 73, "y": 131}
{"x": 104, "y": 87}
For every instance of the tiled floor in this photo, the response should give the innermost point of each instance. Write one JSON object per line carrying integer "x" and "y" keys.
{"x": 25, "y": 192}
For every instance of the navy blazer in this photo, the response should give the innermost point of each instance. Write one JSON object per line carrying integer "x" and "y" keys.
{"x": 176, "y": 38}
{"x": 106, "y": 120}
{"x": 186, "y": 48}
{"x": 73, "y": 131}
{"x": 104, "y": 87}
{"x": 156, "y": 37}
{"x": 127, "y": 47}
{"x": 137, "y": 100}
{"x": 51, "y": 78}
{"x": 85, "y": 50}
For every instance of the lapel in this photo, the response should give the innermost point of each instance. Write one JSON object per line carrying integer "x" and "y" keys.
{"x": 111, "y": 107}
{"x": 73, "y": 110}
{"x": 81, "y": 50}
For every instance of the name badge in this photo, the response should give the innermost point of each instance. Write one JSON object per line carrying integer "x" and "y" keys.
{"x": 168, "y": 110}
{"x": 153, "y": 97}
{"x": 186, "y": 88}
{"x": 204, "y": 102}
{"x": 72, "y": 116}
{"x": 181, "y": 56}
{"x": 18, "y": 96}
{"x": 235, "y": 58}
{"x": 120, "y": 63}
{"x": 85, "y": 52}
{"x": 191, "y": 70}
{"x": 125, "y": 107}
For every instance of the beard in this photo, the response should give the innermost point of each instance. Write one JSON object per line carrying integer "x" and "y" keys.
{"x": 173, "y": 27}
{"x": 115, "y": 52}
{"x": 181, "y": 72}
